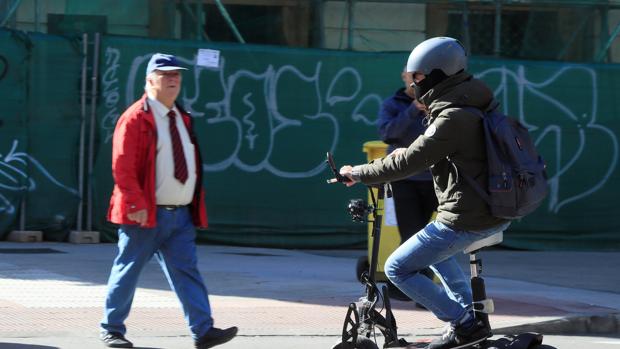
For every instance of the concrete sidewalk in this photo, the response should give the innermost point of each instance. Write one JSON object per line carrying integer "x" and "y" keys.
{"x": 53, "y": 293}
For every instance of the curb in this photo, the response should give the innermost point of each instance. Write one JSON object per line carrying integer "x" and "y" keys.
{"x": 592, "y": 325}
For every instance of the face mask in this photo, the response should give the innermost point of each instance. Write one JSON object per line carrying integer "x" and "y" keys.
{"x": 418, "y": 90}
{"x": 432, "y": 79}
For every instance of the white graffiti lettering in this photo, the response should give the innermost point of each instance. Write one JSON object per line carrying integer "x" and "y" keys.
{"x": 14, "y": 177}
{"x": 254, "y": 112}
{"x": 111, "y": 95}
{"x": 565, "y": 119}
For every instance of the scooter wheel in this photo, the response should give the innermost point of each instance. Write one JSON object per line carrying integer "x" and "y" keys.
{"x": 361, "y": 343}
{"x": 365, "y": 343}
{"x": 344, "y": 345}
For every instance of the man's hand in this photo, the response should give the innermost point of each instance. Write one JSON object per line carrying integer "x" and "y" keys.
{"x": 397, "y": 152}
{"x": 138, "y": 216}
{"x": 346, "y": 171}
{"x": 419, "y": 105}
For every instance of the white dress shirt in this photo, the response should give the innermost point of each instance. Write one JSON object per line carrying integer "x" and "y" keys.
{"x": 168, "y": 189}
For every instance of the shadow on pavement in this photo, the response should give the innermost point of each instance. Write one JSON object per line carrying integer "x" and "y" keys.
{"x": 24, "y": 346}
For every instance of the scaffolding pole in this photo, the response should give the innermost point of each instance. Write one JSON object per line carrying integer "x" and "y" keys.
{"x": 466, "y": 37}
{"x": 199, "y": 19}
{"x": 91, "y": 135}
{"x": 351, "y": 17}
{"x": 229, "y": 20}
{"x": 601, "y": 55}
{"x": 78, "y": 225}
{"x": 498, "y": 28}
{"x": 11, "y": 12}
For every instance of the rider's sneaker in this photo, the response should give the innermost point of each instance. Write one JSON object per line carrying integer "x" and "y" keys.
{"x": 462, "y": 336}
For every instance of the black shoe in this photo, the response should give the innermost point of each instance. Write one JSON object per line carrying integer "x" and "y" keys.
{"x": 215, "y": 336}
{"x": 115, "y": 340}
{"x": 462, "y": 337}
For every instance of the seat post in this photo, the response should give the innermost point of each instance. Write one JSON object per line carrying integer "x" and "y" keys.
{"x": 481, "y": 305}
{"x": 479, "y": 295}
{"x": 475, "y": 265}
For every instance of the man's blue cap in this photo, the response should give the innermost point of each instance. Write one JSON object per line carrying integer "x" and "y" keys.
{"x": 161, "y": 61}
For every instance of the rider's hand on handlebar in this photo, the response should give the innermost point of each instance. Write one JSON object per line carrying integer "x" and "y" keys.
{"x": 346, "y": 171}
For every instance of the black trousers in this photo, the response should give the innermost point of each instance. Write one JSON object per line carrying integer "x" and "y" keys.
{"x": 414, "y": 203}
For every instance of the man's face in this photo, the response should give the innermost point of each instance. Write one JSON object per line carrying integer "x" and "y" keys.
{"x": 166, "y": 84}
{"x": 408, "y": 79}
{"x": 417, "y": 77}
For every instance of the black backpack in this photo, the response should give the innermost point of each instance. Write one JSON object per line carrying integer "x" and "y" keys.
{"x": 517, "y": 177}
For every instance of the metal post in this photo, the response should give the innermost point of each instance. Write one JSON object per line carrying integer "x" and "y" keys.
{"x": 185, "y": 7}
{"x": 82, "y": 133}
{"x": 319, "y": 25}
{"x": 91, "y": 136}
{"x": 229, "y": 20}
{"x": 612, "y": 37}
{"x": 199, "y": 19}
{"x": 351, "y": 9}
{"x": 22, "y": 212}
{"x": 36, "y": 15}
{"x": 10, "y": 13}
{"x": 498, "y": 28}
{"x": 466, "y": 37}
{"x": 605, "y": 41}
{"x": 573, "y": 36}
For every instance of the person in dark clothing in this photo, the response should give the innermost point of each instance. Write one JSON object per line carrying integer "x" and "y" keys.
{"x": 455, "y": 135}
{"x": 401, "y": 121}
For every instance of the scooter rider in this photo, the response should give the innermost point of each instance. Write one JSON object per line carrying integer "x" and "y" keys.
{"x": 441, "y": 83}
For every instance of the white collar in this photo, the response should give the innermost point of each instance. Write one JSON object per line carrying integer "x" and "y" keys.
{"x": 159, "y": 108}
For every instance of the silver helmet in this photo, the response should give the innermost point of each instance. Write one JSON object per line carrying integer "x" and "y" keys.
{"x": 443, "y": 53}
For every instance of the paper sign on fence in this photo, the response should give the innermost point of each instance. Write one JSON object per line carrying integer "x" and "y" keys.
{"x": 208, "y": 58}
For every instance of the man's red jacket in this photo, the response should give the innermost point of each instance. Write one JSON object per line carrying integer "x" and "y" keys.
{"x": 133, "y": 167}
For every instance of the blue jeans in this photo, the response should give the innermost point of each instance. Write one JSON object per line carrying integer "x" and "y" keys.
{"x": 173, "y": 243}
{"x": 435, "y": 247}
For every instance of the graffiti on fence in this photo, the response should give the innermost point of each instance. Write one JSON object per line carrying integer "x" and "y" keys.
{"x": 251, "y": 109}
{"x": 14, "y": 176}
{"x": 560, "y": 118}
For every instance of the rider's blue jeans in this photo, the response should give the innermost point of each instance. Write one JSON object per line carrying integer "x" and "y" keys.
{"x": 435, "y": 246}
{"x": 172, "y": 242}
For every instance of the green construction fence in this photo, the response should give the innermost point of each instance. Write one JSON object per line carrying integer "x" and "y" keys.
{"x": 265, "y": 117}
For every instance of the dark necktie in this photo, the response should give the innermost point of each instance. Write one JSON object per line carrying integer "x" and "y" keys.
{"x": 180, "y": 167}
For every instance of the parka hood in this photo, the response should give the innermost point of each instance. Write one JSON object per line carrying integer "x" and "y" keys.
{"x": 459, "y": 90}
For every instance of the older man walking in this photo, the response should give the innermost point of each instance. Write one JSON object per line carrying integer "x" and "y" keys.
{"x": 158, "y": 200}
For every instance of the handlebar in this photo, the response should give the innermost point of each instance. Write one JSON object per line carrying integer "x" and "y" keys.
{"x": 338, "y": 178}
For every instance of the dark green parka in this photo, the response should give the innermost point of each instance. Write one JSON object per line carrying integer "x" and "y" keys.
{"x": 455, "y": 133}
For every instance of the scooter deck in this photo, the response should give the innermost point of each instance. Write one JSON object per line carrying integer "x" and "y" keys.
{"x": 418, "y": 344}
{"x": 519, "y": 341}
{"x": 422, "y": 343}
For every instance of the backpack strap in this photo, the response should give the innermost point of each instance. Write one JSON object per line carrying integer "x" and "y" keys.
{"x": 472, "y": 183}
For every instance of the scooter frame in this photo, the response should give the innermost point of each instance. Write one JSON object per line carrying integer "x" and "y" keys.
{"x": 362, "y": 316}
